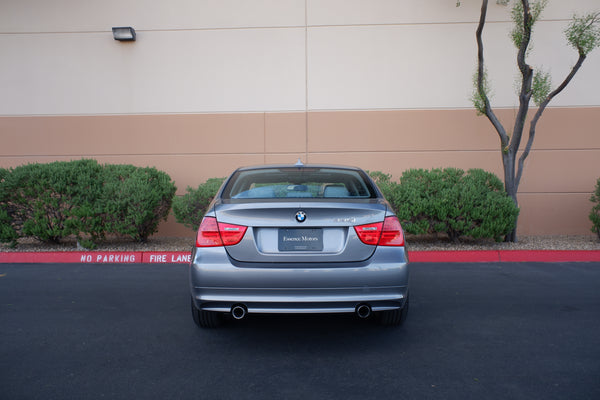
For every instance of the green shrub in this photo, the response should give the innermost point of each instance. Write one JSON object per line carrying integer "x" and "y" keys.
{"x": 135, "y": 200}
{"x": 189, "y": 209}
{"x": 454, "y": 202}
{"x": 83, "y": 199}
{"x": 3, "y": 174}
{"x": 595, "y": 213}
{"x": 385, "y": 184}
{"x": 8, "y": 233}
{"x": 52, "y": 201}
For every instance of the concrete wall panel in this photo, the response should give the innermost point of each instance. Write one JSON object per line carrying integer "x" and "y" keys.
{"x": 569, "y": 128}
{"x": 376, "y": 12}
{"x": 408, "y": 130}
{"x": 561, "y": 171}
{"x": 86, "y": 16}
{"x": 555, "y": 214}
{"x": 285, "y": 132}
{"x": 370, "y": 67}
{"x": 132, "y": 135}
{"x": 432, "y": 66}
{"x": 162, "y": 72}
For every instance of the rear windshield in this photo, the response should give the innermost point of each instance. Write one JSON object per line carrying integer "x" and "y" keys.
{"x": 298, "y": 183}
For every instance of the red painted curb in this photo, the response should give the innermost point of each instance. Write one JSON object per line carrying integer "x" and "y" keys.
{"x": 180, "y": 257}
{"x": 506, "y": 256}
{"x": 453, "y": 256}
{"x": 86, "y": 257}
{"x": 550, "y": 255}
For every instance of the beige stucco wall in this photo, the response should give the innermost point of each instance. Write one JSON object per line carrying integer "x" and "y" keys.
{"x": 59, "y": 57}
{"x": 211, "y": 85}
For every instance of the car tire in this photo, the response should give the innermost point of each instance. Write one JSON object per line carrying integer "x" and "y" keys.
{"x": 394, "y": 317}
{"x": 206, "y": 319}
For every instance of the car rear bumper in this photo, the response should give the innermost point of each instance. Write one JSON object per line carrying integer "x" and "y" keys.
{"x": 300, "y": 300}
{"x": 218, "y": 283}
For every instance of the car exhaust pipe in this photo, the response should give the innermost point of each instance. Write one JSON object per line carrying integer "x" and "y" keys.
{"x": 363, "y": 310}
{"x": 238, "y": 311}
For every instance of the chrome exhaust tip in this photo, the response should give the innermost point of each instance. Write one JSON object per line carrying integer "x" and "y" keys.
{"x": 238, "y": 311}
{"x": 363, "y": 310}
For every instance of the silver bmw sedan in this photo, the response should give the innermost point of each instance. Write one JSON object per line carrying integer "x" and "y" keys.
{"x": 299, "y": 239}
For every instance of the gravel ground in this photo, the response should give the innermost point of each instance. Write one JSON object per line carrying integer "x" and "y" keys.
{"x": 420, "y": 243}
{"x": 563, "y": 242}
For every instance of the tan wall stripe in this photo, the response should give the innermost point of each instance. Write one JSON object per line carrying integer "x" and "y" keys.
{"x": 561, "y": 171}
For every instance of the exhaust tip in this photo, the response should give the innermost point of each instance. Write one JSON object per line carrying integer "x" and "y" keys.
{"x": 238, "y": 311}
{"x": 363, "y": 310}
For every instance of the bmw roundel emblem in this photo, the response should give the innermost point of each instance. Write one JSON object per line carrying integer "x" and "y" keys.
{"x": 300, "y": 216}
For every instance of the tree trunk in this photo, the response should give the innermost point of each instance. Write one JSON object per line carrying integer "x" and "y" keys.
{"x": 511, "y": 185}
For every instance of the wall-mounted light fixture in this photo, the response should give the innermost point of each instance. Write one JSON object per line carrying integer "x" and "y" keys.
{"x": 124, "y": 33}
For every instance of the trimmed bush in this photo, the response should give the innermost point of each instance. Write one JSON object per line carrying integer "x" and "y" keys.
{"x": 135, "y": 200}
{"x": 83, "y": 199}
{"x": 453, "y": 202}
{"x": 189, "y": 209}
{"x": 8, "y": 234}
{"x": 595, "y": 213}
{"x": 384, "y": 183}
{"x": 52, "y": 201}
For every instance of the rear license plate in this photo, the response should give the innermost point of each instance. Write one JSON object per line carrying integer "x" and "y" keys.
{"x": 300, "y": 240}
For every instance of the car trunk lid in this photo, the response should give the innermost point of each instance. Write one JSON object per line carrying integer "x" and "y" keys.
{"x": 288, "y": 232}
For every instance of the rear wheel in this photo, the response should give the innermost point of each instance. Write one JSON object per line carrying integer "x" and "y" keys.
{"x": 394, "y": 317}
{"x": 205, "y": 319}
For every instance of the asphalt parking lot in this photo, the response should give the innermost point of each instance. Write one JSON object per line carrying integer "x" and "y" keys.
{"x": 474, "y": 331}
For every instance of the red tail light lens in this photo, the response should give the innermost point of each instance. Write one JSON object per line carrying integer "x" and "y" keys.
{"x": 386, "y": 233}
{"x": 369, "y": 234}
{"x": 208, "y": 233}
{"x": 231, "y": 234}
{"x": 212, "y": 233}
{"x": 392, "y": 234}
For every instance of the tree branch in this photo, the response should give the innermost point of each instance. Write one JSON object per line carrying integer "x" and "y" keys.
{"x": 539, "y": 112}
{"x": 480, "y": 76}
{"x": 526, "y": 82}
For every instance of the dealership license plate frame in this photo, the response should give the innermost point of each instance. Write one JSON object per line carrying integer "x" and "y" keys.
{"x": 300, "y": 239}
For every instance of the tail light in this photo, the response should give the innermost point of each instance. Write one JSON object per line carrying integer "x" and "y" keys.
{"x": 392, "y": 234}
{"x": 213, "y": 234}
{"x": 369, "y": 234}
{"x": 386, "y": 233}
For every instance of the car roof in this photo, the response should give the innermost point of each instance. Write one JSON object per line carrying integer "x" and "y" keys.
{"x": 299, "y": 166}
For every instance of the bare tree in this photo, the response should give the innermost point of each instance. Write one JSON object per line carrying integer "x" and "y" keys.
{"x": 583, "y": 34}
